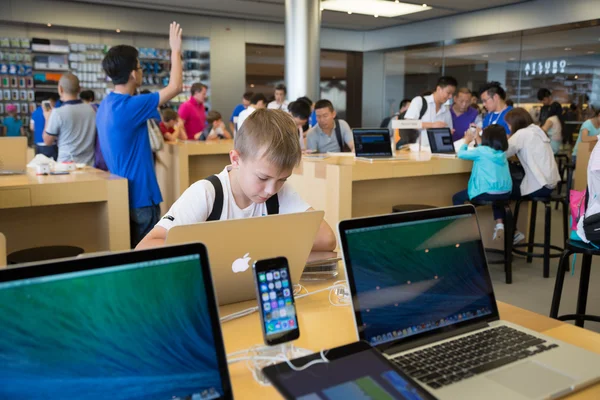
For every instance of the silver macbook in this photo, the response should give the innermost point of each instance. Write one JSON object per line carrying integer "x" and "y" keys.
{"x": 422, "y": 295}
{"x": 440, "y": 140}
{"x": 374, "y": 144}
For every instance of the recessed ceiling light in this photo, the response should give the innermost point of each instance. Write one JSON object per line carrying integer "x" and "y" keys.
{"x": 591, "y": 52}
{"x": 512, "y": 59}
{"x": 567, "y": 49}
{"x": 49, "y": 25}
{"x": 118, "y": 31}
{"x": 376, "y": 16}
{"x": 252, "y": 85}
{"x": 485, "y": 56}
{"x": 576, "y": 77}
{"x": 381, "y": 8}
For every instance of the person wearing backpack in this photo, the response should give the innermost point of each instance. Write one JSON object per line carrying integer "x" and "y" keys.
{"x": 432, "y": 110}
{"x": 266, "y": 149}
{"x": 330, "y": 135}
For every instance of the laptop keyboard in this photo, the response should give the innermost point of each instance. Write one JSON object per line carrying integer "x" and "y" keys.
{"x": 453, "y": 361}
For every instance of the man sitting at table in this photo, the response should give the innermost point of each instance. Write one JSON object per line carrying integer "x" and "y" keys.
{"x": 266, "y": 150}
{"x": 330, "y": 135}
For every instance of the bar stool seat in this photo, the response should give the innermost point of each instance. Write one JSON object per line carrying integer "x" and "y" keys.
{"x": 508, "y": 236}
{"x": 588, "y": 251}
{"x": 546, "y": 245}
{"x": 411, "y": 207}
{"x": 44, "y": 253}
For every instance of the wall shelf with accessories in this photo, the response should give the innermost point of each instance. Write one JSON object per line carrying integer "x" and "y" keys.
{"x": 16, "y": 81}
{"x": 86, "y": 63}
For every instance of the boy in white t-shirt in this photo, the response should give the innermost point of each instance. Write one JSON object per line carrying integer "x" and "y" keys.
{"x": 266, "y": 150}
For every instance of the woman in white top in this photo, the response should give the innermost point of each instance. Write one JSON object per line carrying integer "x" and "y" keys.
{"x": 593, "y": 187}
{"x": 553, "y": 127}
{"x": 531, "y": 144}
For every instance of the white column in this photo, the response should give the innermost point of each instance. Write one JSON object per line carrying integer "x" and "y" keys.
{"x": 302, "y": 48}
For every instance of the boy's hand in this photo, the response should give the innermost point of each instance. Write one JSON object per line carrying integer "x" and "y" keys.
{"x": 175, "y": 33}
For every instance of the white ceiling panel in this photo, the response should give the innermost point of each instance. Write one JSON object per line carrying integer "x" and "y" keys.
{"x": 274, "y": 10}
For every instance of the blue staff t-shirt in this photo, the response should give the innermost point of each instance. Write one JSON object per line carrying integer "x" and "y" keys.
{"x": 236, "y": 111}
{"x": 123, "y": 134}
{"x": 497, "y": 118}
{"x": 38, "y": 125}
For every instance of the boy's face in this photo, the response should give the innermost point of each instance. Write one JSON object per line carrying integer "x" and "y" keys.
{"x": 171, "y": 124}
{"x": 258, "y": 178}
{"x": 279, "y": 96}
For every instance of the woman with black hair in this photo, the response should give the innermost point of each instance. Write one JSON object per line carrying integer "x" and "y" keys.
{"x": 490, "y": 177}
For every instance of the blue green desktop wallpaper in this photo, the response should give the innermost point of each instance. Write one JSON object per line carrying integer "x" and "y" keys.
{"x": 419, "y": 275}
{"x": 135, "y": 333}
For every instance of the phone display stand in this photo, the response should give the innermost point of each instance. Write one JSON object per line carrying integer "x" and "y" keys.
{"x": 263, "y": 356}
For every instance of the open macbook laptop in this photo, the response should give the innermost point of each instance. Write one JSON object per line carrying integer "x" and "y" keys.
{"x": 440, "y": 140}
{"x": 374, "y": 144}
{"x": 234, "y": 245}
{"x": 132, "y": 325}
{"x": 422, "y": 294}
{"x": 13, "y": 155}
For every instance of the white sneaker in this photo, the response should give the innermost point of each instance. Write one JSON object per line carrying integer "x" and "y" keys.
{"x": 499, "y": 232}
{"x": 518, "y": 237}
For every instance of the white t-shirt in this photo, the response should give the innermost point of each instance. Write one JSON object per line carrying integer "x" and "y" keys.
{"x": 593, "y": 183}
{"x": 532, "y": 146}
{"x": 276, "y": 106}
{"x": 430, "y": 115}
{"x": 243, "y": 115}
{"x": 196, "y": 204}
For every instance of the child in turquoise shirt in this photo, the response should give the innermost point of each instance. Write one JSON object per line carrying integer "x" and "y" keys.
{"x": 490, "y": 177}
{"x": 12, "y": 124}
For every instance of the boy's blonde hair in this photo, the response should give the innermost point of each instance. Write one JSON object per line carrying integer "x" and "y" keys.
{"x": 274, "y": 131}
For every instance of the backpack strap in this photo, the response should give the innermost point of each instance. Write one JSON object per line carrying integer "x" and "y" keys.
{"x": 217, "y": 209}
{"x": 423, "y": 107}
{"x": 338, "y": 134}
{"x": 273, "y": 205}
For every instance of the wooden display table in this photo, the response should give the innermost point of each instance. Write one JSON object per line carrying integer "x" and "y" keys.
{"x": 88, "y": 208}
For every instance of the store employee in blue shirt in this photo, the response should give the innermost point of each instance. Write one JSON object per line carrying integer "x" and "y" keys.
{"x": 239, "y": 108}
{"x": 493, "y": 98}
{"x": 123, "y": 133}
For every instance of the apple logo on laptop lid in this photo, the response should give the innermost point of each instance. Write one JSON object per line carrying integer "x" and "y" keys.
{"x": 241, "y": 264}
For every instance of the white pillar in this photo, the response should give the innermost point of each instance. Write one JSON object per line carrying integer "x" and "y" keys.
{"x": 302, "y": 48}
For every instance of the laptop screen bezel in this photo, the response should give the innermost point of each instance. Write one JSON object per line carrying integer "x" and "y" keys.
{"x": 431, "y": 136}
{"x": 397, "y": 218}
{"x": 73, "y": 265}
{"x": 361, "y": 131}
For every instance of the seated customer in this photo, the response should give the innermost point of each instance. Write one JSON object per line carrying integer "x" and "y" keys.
{"x": 589, "y": 131}
{"x": 300, "y": 111}
{"x": 171, "y": 126}
{"x": 265, "y": 152}
{"x": 73, "y": 125}
{"x": 330, "y": 135}
{"x": 490, "y": 176}
{"x": 215, "y": 128}
{"x": 531, "y": 144}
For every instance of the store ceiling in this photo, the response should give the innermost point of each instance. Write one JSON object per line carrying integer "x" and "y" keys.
{"x": 274, "y": 10}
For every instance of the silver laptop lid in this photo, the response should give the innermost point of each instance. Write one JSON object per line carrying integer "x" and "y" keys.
{"x": 375, "y": 142}
{"x": 416, "y": 275}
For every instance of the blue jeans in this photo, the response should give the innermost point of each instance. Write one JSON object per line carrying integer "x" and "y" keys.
{"x": 141, "y": 221}
{"x": 463, "y": 196}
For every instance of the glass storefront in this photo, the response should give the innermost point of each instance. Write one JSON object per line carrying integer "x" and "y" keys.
{"x": 564, "y": 59}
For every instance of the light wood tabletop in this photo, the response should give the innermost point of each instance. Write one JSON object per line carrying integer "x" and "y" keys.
{"x": 323, "y": 326}
{"x": 88, "y": 208}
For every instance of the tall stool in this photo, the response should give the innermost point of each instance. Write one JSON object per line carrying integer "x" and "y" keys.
{"x": 411, "y": 207}
{"x": 588, "y": 251}
{"x": 508, "y": 236}
{"x": 43, "y": 254}
{"x": 546, "y": 245}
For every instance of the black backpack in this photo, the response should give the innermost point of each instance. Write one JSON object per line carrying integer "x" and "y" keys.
{"x": 215, "y": 215}
{"x": 411, "y": 135}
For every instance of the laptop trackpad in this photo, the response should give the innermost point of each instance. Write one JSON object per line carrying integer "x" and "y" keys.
{"x": 531, "y": 379}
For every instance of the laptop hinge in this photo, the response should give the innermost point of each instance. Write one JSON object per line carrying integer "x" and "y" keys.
{"x": 434, "y": 338}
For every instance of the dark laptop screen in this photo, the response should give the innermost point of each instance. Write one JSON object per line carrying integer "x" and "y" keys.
{"x": 418, "y": 276}
{"x": 134, "y": 331}
{"x": 372, "y": 143}
{"x": 440, "y": 140}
